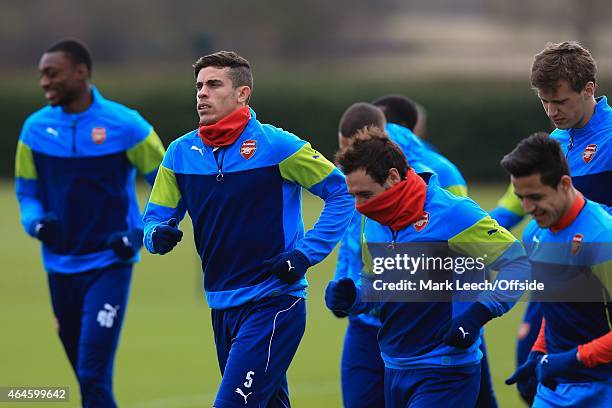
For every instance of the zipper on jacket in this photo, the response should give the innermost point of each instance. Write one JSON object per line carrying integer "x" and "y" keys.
{"x": 73, "y": 127}
{"x": 216, "y": 153}
{"x": 394, "y": 235}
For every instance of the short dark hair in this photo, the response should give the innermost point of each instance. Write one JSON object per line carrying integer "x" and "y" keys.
{"x": 567, "y": 61}
{"x": 359, "y": 115}
{"x": 240, "y": 68}
{"x": 375, "y": 153}
{"x": 398, "y": 109}
{"x": 76, "y": 50}
{"x": 538, "y": 153}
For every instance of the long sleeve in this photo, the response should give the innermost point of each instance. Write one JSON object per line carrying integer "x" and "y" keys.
{"x": 164, "y": 203}
{"x": 596, "y": 352}
{"x": 26, "y": 188}
{"x": 311, "y": 170}
{"x": 540, "y": 343}
{"x": 500, "y": 251}
{"x": 349, "y": 253}
{"x": 509, "y": 211}
{"x": 146, "y": 155}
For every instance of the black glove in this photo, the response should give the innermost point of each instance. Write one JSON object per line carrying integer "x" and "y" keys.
{"x": 126, "y": 244}
{"x": 289, "y": 266}
{"x": 555, "y": 365}
{"x": 464, "y": 329}
{"x": 340, "y": 295}
{"x": 339, "y": 314}
{"x": 525, "y": 376}
{"x": 165, "y": 236}
{"x": 46, "y": 229}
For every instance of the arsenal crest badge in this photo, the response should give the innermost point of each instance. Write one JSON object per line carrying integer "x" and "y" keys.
{"x": 589, "y": 153}
{"x": 98, "y": 135}
{"x": 577, "y": 243}
{"x": 419, "y": 225}
{"x": 248, "y": 148}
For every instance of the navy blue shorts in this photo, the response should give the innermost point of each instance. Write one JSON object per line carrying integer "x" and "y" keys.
{"x": 363, "y": 370}
{"x": 89, "y": 308}
{"x": 455, "y": 387}
{"x": 255, "y": 345}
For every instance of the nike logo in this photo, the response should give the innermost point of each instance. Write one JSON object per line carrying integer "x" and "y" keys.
{"x": 199, "y": 149}
{"x": 290, "y": 267}
{"x": 239, "y": 392}
{"x": 52, "y": 132}
{"x": 316, "y": 156}
{"x": 544, "y": 359}
{"x": 492, "y": 231}
{"x": 463, "y": 332}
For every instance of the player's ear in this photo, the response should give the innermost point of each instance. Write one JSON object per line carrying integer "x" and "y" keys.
{"x": 81, "y": 71}
{"x": 393, "y": 177}
{"x": 589, "y": 90}
{"x": 244, "y": 94}
{"x": 565, "y": 183}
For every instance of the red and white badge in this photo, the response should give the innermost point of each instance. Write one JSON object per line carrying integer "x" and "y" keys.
{"x": 419, "y": 225}
{"x": 98, "y": 135}
{"x": 589, "y": 153}
{"x": 577, "y": 243}
{"x": 248, "y": 148}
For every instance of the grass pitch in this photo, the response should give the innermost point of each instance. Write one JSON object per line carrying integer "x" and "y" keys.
{"x": 167, "y": 357}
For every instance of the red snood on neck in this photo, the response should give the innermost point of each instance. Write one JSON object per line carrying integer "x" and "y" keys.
{"x": 398, "y": 206}
{"x": 227, "y": 130}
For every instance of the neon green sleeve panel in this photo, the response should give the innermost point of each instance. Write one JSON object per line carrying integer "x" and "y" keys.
{"x": 603, "y": 272}
{"x": 24, "y": 162}
{"x": 511, "y": 202}
{"x": 483, "y": 237}
{"x": 165, "y": 191}
{"x": 458, "y": 190}
{"x": 306, "y": 167}
{"x": 147, "y": 155}
{"x": 366, "y": 256}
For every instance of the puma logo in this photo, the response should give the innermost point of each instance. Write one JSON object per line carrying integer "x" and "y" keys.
{"x": 290, "y": 267}
{"x": 463, "y": 332}
{"x": 239, "y": 392}
{"x": 199, "y": 149}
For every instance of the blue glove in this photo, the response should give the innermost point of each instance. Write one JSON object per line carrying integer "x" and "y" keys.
{"x": 126, "y": 243}
{"x": 464, "y": 329}
{"x": 525, "y": 376}
{"x": 341, "y": 295}
{"x": 165, "y": 236}
{"x": 46, "y": 229}
{"x": 556, "y": 365}
{"x": 289, "y": 266}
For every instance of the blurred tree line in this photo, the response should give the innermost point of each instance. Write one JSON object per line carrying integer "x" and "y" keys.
{"x": 161, "y": 31}
{"x": 474, "y": 123}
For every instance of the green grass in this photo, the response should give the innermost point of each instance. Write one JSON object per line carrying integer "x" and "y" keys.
{"x": 167, "y": 357}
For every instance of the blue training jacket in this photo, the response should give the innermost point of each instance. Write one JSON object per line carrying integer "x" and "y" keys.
{"x": 250, "y": 213}
{"x": 583, "y": 247}
{"x": 422, "y": 160}
{"x": 81, "y": 168}
{"x": 449, "y": 176}
{"x": 589, "y": 154}
{"x": 407, "y": 336}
